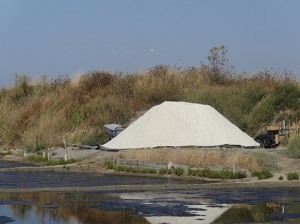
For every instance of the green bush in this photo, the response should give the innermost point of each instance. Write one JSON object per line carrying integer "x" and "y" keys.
{"x": 280, "y": 177}
{"x": 239, "y": 175}
{"x": 148, "y": 170}
{"x": 224, "y": 174}
{"x": 286, "y": 97}
{"x": 121, "y": 168}
{"x": 50, "y": 162}
{"x": 36, "y": 159}
{"x": 163, "y": 171}
{"x": 130, "y": 169}
{"x": 264, "y": 174}
{"x": 179, "y": 171}
{"x": 293, "y": 176}
{"x": 109, "y": 165}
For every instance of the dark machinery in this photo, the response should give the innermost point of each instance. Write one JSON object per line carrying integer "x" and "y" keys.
{"x": 270, "y": 139}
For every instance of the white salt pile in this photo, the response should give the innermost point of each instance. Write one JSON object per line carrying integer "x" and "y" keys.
{"x": 180, "y": 124}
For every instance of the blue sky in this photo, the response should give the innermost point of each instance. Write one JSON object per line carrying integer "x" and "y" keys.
{"x": 66, "y": 37}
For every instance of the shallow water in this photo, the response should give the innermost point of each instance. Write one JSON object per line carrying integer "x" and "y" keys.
{"x": 12, "y": 164}
{"x": 51, "y": 179}
{"x": 165, "y": 206}
{"x": 70, "y": 179}
{"x": 139, "y": 207}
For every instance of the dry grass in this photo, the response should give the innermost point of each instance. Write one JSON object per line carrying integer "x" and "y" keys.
{"x": 81, "y": 105}
{"x": 195, "y": 157}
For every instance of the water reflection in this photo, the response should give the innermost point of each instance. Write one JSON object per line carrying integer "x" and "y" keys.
{"x": 140, "y": 207}
{"x": 46, "y": 207}
{"x": 261, "y": 213}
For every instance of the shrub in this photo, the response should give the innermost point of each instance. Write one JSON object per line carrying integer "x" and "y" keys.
{"x": 36, "y": 159}
{"x": 224, "y": 174}
{"x": 239, "y": 175}
{"x": 286, "y": 97}
{"x": 280, "y": 177}
{"x": 109, "y": 165}
{"x": 50, "y": 162}
{"x": 130, "y": 169}
{"x": 293, "y": 176}
{"x": 193, "y": 172}
{"x": 294, "y": 146}
{"x": 264, "y": 174}
{"x": 148, "y": 170}
{"x": 163, "y": 171}
{"x": 179, "y": 171}
{"x": 120, "y": 168}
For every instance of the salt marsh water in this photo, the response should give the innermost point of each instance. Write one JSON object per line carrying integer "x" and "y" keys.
{"x": 162, "y": 206}
{"x": 201, "y": 205}
{"x": 10, "y": 180}
{"x": 11, "y": 164}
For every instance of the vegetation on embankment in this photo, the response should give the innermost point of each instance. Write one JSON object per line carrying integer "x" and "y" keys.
{"x": 210, "y": 162}
{"x": 37, "y": 115}
{"x": 49, "y": 162}
{"x": 178, "y": 171}
{"x": 202, "y": 158}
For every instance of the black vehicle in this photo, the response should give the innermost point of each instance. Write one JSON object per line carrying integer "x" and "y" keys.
{"x": 266, "y": 140}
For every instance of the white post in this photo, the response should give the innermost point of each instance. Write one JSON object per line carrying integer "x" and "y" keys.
{"x": 25, "y": 153}
{"x": 67, "y": 155}
{"x": 170, "y": 165}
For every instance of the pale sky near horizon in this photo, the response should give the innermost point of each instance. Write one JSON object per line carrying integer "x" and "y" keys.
{"x": 66, "y": 37}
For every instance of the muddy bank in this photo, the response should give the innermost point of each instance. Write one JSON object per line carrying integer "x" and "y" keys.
{"x": 159, "y": 187}
{"x": 94, "y": 164}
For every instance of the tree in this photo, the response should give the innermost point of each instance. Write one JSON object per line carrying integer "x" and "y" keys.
{"x": 217, "y": 62}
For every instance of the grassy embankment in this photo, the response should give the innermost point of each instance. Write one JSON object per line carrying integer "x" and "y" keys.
{"x": 41, "y": 114}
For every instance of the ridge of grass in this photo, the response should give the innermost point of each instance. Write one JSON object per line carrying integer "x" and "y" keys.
{"x": 41, "y": 113}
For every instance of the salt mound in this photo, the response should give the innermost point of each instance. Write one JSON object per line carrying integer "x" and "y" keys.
{"x": 180, "y": 124}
